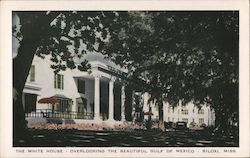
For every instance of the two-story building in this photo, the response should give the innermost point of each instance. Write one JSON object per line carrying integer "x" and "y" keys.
{"x": 104, "y": 95}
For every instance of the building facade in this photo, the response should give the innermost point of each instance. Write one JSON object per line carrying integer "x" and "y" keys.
{"x": 192, "y": 115}
{"x": 102, "y": 95}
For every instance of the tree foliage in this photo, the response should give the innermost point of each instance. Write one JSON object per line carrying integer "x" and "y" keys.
{"x": 183, "y": 56}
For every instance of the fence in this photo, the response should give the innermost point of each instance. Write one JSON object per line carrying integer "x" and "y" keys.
{"x": 47, "y": 113}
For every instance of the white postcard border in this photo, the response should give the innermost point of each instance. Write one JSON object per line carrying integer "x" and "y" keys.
{"x": 6, "y": 8}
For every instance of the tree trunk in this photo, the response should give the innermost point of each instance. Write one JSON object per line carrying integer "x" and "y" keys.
{"x": 160, "y": 109}
{"x": 221, "y": 120}
{"x": 21, "y": 66}
{"x": 160, "y": 112}
{"x": 34, "y": 25}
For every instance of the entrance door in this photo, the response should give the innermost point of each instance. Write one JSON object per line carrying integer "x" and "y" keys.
{"x": 30, "y": 102}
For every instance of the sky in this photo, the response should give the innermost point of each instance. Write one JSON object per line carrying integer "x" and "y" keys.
{"x": 15, "y": 42}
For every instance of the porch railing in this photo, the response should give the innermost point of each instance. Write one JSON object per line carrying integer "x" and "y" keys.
{"x": 47, "y": 113}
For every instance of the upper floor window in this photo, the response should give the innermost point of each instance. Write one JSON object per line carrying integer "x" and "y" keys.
{"x": 81, "y": 86}
{"x": 201, "y": 111}
{"x": 58, "y": 81}
{"x": 168, "y": 109}
{"x": 185, "y": 120}
{"x": 201, "y": 120}
{"x": 184, "y": 111}
{"x": 32, "y": 73}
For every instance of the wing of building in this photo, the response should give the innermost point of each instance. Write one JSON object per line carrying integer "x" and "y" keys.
{"x": 97, "y": 97}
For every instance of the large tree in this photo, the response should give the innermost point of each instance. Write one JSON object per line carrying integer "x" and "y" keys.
{"x": 182, "y": 56}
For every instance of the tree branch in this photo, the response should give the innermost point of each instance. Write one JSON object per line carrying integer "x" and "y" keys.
{"x": 16, "y": 37}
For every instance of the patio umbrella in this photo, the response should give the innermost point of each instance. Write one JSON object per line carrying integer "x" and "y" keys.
{"x": 49, "y": 100}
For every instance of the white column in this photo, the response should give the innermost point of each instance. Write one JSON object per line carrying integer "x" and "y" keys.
{"x": 123, "y": 103}
{"x": 132, "y": 102}
{"x": 97, "y": 98}
{"x": 74, "y": 106}
{"x": 111, "y": 99}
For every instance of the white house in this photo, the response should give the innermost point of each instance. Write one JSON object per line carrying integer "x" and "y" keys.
{"x": 95, "y": 95}
{"x": 102, "y": 95}
{"x": 190, "y": 114}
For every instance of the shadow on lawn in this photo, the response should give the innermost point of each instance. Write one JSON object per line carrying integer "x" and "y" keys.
{"x": 136, "y": 138}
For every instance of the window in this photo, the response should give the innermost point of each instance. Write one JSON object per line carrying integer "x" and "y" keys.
{"x": 64, "y": 105}
{"x": 184, "y": 111}
{"x": 32, "y": 73}
{"x": 81, "y": 86}
{"x": 201, "y": 120}
{"x": 201, "y": 111}
{"x": 185, "y": 120}
{"x": 81, "y": 105}
{"x": 173, "y": 119}
{"x": 168, "y": 109}
{"x": 58, "y": 81}
{"x": 168, "y": 119}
